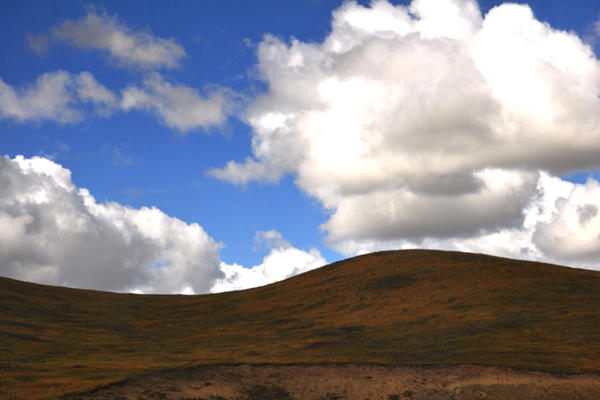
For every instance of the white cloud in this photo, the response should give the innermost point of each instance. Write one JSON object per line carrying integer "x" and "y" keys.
{"x": 574, "y": 231}
{"x": 283, "y": 261}
{"x": 270, "y": 239}
{"x": 426, "y": 123}
{"x": 560, "y": 225}
{"x": 403, "y": 214}
{"x": 62, "y": 97}
{"x": 240, "y": 174}
{"x": 127, "y": 46}
{"x": 178, "y": 106}
{"x": 89, "y": 90}
{"x": 58, "y": 96}
{"x": 53, "y": 232}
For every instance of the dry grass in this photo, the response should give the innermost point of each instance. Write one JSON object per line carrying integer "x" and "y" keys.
{"x": 390, "y": 308}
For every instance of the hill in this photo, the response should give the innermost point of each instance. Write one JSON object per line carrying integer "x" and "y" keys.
{"x": 397, "y": 308}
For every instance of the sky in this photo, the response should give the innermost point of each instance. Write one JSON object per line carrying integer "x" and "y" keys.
{"x": 198, "y": 147}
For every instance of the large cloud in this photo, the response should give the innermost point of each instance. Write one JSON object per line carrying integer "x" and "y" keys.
{"x": 125, "y": 45}
{"x": 560, "y": 224}
{"x": 424, "y": 123}
{"x": 55, "y": 233}
{"x": 56, "y": 96}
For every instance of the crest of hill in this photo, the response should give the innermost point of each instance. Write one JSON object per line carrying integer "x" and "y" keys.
{"x": 413, "y": 307}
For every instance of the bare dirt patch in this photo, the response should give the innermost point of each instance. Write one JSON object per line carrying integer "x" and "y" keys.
{"x": 349, "y": 382}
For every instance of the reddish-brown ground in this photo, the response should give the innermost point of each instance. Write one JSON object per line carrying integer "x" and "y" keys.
{"x": 350, "y": 382}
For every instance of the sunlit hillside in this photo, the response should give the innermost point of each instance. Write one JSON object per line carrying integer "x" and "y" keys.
{"x": 391, "y": 308}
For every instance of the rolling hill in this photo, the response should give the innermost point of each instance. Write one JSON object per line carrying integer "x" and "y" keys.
{"x": 396, "y": 308}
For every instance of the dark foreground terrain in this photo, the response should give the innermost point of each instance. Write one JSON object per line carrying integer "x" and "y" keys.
{"x": 349, "y": 382}
{"x": 392, "y": 309}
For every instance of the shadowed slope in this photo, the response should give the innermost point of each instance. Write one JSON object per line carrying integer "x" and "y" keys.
{"x": 395, "y": 308}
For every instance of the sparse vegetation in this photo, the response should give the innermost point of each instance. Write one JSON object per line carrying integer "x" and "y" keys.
{"x": 260, "y": 392}
{"x": 396, "y": 281}
{"x": 389, "y": 308}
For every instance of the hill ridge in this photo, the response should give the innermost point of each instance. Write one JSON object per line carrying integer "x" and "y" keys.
{"x": 396, "y": 308}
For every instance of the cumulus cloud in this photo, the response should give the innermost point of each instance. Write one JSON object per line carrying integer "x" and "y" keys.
{"x": 283, "y": 261}
{"x": 126, "y": 46}
{"x": 53, "y": 232}
{"x": 58, "y": 96}
{"x": 425, "y": 123}
{"x": 574, "y": 231}
{"x": 559, "y": 225}
{"x": 178, "y": 106}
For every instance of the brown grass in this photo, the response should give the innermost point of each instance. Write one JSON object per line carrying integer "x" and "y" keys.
{"x": 388, "y": 308}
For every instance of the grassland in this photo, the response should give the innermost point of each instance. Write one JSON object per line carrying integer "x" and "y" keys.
{"x": 389, "y": 308}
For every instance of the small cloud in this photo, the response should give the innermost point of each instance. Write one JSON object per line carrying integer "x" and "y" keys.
{"x": 63, "y": 147}
{"x": 120, "y": 160}
{"x": 59, "y": 150}
{"x": 269, "y": 239}
{"x": 50, "y": 98}
{"x": 89, "y": 90}
{"x": 241, "y": 173}
{"x": 57, "y": 96}
{"x": 178, "y": 106}
{"x": 38, "y": 43}
{"x": 126, "y": 46}
{"x": 283, "y": 261}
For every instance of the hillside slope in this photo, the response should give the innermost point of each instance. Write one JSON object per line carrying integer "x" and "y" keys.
{"x": 392, "y": 308}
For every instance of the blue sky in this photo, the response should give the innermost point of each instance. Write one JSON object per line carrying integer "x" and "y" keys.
{"x": 164, "y": 167}
{"x": 308, "y": 191}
